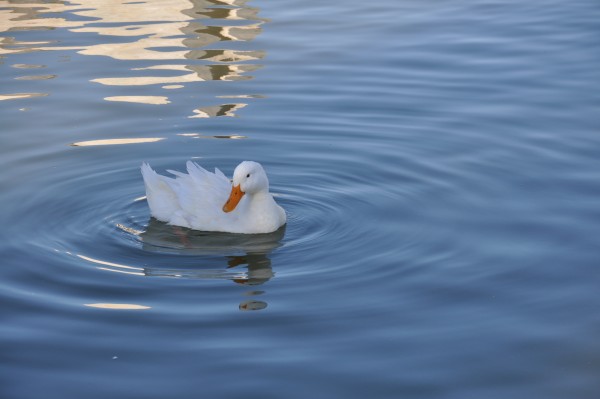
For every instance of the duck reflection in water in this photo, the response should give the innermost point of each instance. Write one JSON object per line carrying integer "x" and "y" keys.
{"x": 163, "y": 238}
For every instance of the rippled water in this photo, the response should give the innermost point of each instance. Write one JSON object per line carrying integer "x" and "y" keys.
{"x": 439, "y": 164}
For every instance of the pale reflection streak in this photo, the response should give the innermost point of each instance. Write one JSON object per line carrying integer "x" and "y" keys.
{"x": 15, "y": 96}
{"x": 36, "y": 77}
{"x": 114, "y": 267}
{"x": 154, "y": 100}
{"x": 28, "y": 66}
{"x": 117, "y": 306}
{"x": 127, "y": 229}
{"x": 158, "y": 30}
{"x": 142, "y": 140}
{"x": 220, "y": 136}
{"x": 198, "y": 73}
{"x": 138, "y": 140}
{"x": 218, "y": 274}
{"x": 242, "y": 96}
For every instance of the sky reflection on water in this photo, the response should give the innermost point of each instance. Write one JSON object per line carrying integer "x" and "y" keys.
{"x": 439, "y": 164}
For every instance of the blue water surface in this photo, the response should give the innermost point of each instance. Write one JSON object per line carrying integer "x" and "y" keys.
{"x": 439, "y": 163}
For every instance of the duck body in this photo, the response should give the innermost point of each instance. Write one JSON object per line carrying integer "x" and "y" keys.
{"x": 206, "y": 201}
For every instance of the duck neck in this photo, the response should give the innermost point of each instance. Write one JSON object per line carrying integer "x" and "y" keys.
{"x": 260, "y": 199}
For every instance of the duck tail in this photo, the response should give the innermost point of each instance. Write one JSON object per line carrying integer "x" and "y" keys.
{"x": 161, "y": 198}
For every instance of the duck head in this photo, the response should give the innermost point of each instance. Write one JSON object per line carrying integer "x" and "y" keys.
{"x": 248, "y": 178}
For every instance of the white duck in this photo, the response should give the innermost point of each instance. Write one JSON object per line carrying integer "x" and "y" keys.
{"x": 198, "y": 200}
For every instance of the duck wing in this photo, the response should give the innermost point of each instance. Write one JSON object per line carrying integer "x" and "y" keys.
{"x": 200, "y": 193}
{"x": 190, "y": 200}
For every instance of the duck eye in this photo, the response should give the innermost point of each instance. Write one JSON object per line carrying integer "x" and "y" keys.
{"x": 248, "y": 175}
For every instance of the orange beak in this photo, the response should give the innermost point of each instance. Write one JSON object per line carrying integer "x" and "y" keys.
{"x": 234, "y": 198}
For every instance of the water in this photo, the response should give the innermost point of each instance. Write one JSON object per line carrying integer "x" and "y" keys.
{"x": 439, "y": 164}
